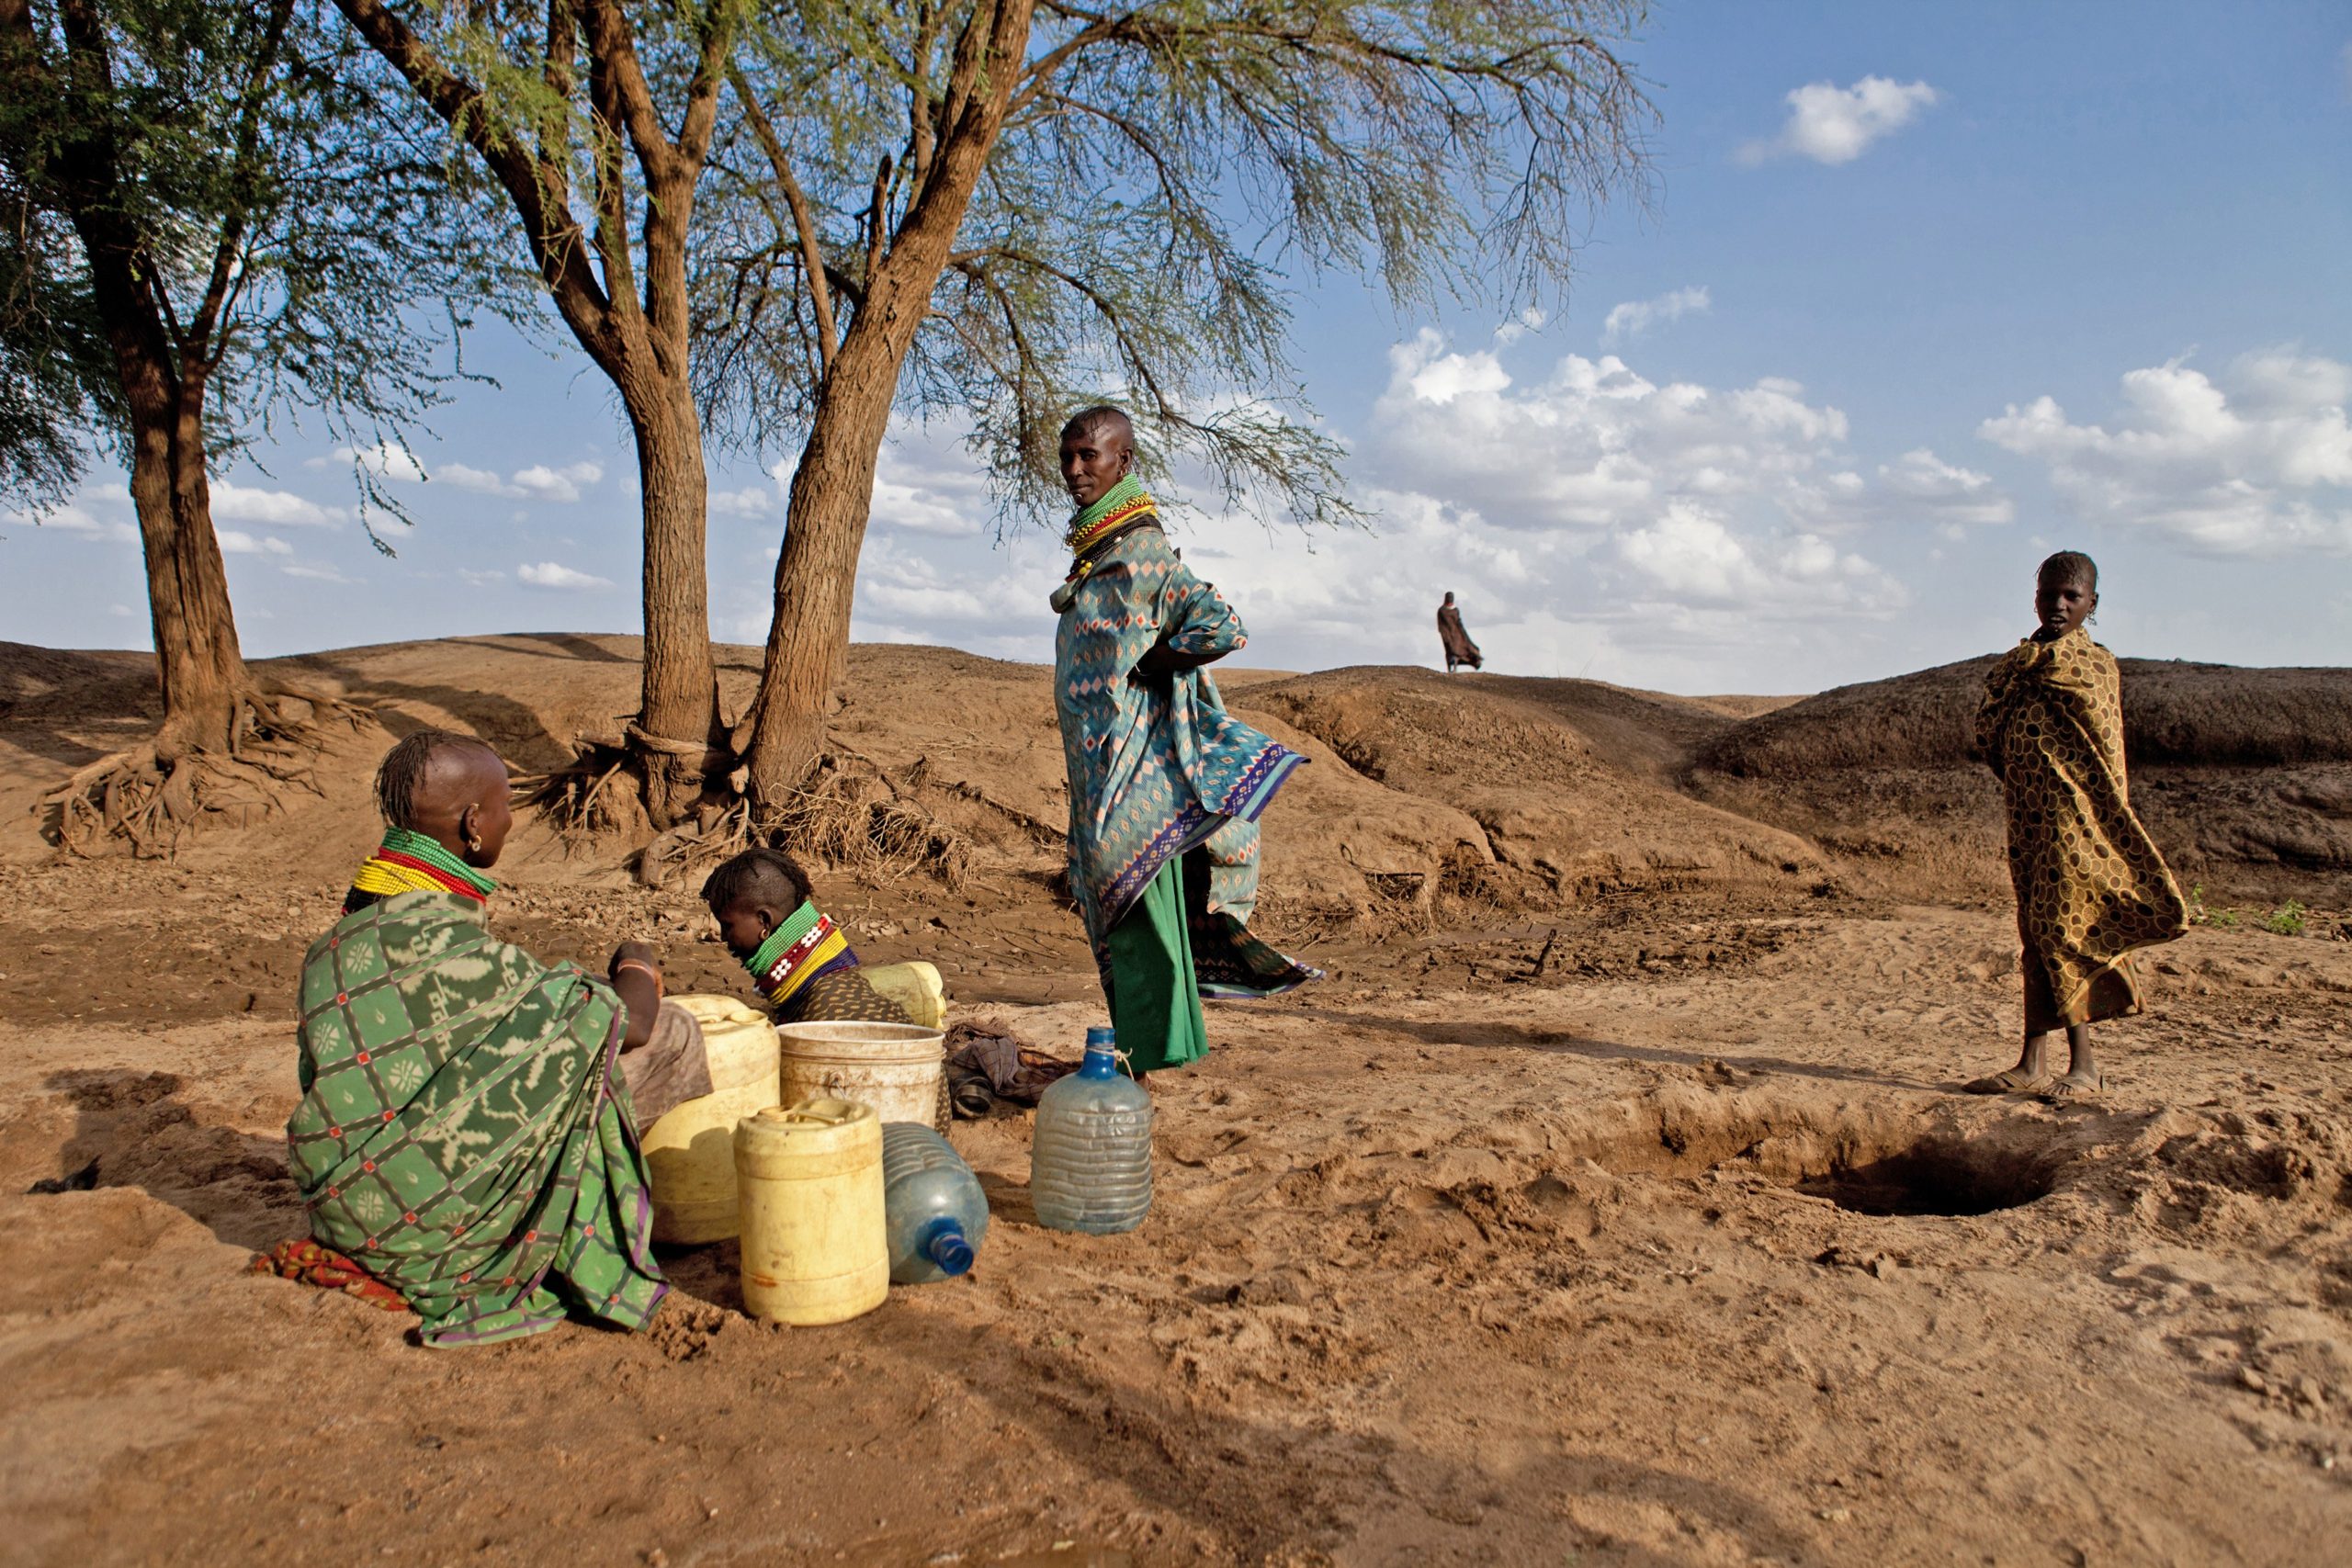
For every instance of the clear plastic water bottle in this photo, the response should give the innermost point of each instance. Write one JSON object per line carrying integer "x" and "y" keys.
{"x": 1090, "y": 1163}
{"x": 931, "y": 1205}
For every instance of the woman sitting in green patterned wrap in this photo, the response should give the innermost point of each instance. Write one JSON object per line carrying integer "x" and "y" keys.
{"x": 465, "y": 1142}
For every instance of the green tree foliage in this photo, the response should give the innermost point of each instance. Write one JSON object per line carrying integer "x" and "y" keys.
{"x": 250, "y": 240}
{"x": 593, "y": 120}
{"x": 52, "y": 357}
{"x": 997, "y": 210}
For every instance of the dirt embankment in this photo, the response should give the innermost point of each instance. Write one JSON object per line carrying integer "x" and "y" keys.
{"x": 2243, "y": 777}
{"x": 1608, "y": 1203}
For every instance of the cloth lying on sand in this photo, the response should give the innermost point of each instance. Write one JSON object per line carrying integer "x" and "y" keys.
{"x": 2090, "y": 885}
{"x": 311, "y": 1264}
{"x": 1157, "y": 768}
{"x": 463, "y": 1136}
{"x": 986, "y": 1064}
{"x": 1459, "y": 649}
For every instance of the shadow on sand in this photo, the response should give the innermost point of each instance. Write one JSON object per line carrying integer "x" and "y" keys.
{"x": 1526, "y": 1037}
{"x": 132, "y": 1129}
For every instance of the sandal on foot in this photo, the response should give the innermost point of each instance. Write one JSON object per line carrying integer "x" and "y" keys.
{"x": 2008, "y": 1080}
{"x": 2071, "y": 1091}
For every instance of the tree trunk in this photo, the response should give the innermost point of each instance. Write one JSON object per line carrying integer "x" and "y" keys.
{"x": 832, "y": 490}
{"x": 679, "y": 736}
{"x": 198, "y": 667}
{"x": 197, "y": 662}
{"x": 816, "y": 575}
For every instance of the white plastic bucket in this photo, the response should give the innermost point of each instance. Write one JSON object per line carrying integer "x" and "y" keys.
{"x": 900, "y": 1069}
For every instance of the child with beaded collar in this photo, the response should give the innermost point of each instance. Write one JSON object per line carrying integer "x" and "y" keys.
{"x": 800, "y": 960}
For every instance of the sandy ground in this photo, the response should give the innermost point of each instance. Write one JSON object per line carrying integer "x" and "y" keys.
{"x": 1671, "y": 1245}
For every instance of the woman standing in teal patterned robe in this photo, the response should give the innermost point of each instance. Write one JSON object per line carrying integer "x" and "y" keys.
{"x": 1165, "y": 786}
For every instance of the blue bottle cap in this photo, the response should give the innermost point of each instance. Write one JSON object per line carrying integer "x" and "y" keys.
{"x": 951, "y": 1252}
{"x": 1099, "y": 1039}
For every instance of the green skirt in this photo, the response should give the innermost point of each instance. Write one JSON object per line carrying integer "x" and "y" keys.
{"x": 1154, "y": 992}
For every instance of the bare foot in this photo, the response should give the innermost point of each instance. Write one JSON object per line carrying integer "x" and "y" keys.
{"x": 2074, "y": 1089}
{"x": 2008, "y": 1080}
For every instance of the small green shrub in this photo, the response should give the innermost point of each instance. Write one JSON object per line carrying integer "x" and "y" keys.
{"x": 2287, "y": 919}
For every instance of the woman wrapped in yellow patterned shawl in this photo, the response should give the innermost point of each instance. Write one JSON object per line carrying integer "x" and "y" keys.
{"x": 2090, "y": 884}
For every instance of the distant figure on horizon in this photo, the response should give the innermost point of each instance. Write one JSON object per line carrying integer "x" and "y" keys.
{"x": 1165, "y": 786}
{"x": 2090, "y": 885}
{"x": 1459, "y": 649}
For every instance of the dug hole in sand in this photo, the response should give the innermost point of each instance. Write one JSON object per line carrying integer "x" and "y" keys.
{"x": 1608, "y": 1204}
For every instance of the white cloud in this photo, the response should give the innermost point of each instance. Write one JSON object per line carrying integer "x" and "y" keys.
{"x": 2255, "y": 462}
{"x": 1693, "y": 556}
{"x": 1635, "y": 317}
{"x": 543, "y": 483}
{"x": 481, "y": 481}
{"x": 1836, "y": 125}
{"x": 1917, "y": 487}
{"x": 753, "y": 502}
{"x": 236, "y": 542}
{"x": 1529, "y": 319}
{"x": 536, "y": 482}
{"x": 550, "y": 574}
{"x": 1594, "y": 445}
{"x": 315, "y": 574}
{"x": 386, "y": 459}
{"x": 83, "y": 517}
{"x": 929, "y": 486}
{"x": 480, "y": 578}
{"x": 122, "y": 610}
{"x": 278, "y": 508}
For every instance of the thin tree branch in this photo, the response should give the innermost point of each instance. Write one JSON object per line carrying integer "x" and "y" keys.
{"x": 803, "y": 220}
{"x": 558, "y": 246}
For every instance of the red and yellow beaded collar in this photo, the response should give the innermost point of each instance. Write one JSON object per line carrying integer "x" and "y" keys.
{"x": 806, "y": 945}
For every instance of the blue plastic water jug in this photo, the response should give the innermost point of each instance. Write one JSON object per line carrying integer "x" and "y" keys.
{"x": 1090, "y": 1163}
{"x": 931, "y": 1205}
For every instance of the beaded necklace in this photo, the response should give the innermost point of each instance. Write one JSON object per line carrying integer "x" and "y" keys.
{"x": 806, "y": 945}
{"x": 1113, "y": 511}
{"x": 409, "y": 863}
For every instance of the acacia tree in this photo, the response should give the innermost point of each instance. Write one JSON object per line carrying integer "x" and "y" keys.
{"x": 246, "y": 241}
{"x": 557, "y": 101}
{"x": 998, "y": 209}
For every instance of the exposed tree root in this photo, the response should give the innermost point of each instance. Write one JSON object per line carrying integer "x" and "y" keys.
{"x": 134, "y": 802}
{"x": 596, "y": 797}
{"x": 852, "y": 816}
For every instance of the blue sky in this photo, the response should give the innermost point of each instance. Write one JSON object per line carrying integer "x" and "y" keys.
{"x": 1926, "y": 292}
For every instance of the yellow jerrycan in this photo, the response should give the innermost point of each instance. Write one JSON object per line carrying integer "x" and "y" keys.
{"x": 915, "y": 986}
{"x": 689, "y": 1151}
{"x": 815, "y": 1249}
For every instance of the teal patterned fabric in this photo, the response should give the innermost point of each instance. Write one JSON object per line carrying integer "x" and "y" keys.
{"x": 463, "y": 1133}
{"x": 1157, "y": 767}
